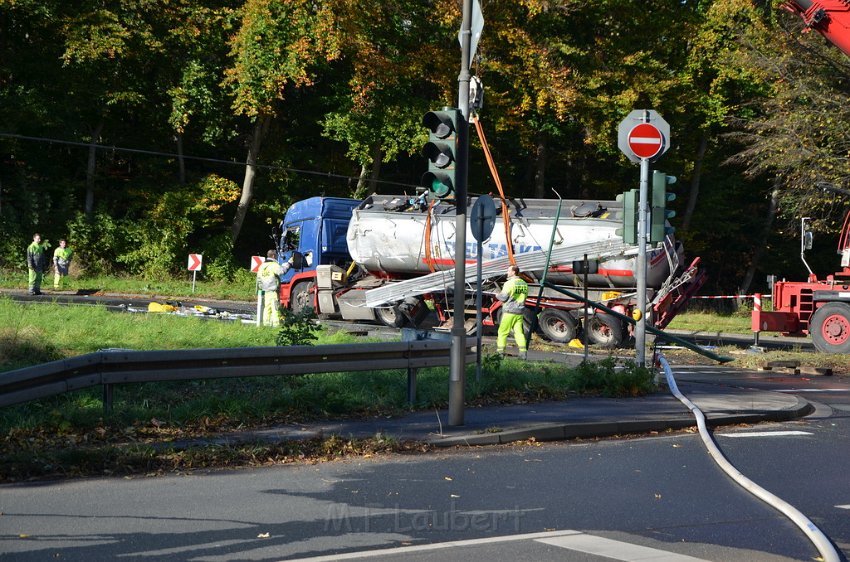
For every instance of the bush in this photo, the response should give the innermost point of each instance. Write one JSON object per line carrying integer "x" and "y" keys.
{"x": 297, "y": 329}
{"x": 96, "y": 242}
{"x": 610, "y": 378}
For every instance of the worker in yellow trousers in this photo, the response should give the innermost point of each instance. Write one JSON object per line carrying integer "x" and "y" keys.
{"x": 513, "y": 295}
{"x": 62, "y": 257}
{"x": 268, "y": 282}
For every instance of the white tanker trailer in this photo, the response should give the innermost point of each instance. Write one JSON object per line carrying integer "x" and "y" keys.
{"x": 348, "y": 251}
{"x": 403, "y": 237}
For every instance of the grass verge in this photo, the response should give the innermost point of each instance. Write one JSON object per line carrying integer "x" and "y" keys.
{"x": 69, "y": 434}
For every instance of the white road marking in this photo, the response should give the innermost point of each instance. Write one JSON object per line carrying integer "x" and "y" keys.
{"x": 433, "y": 546}
{"x": 567, "y": 539}
{"x": 843, "y": 506}
{"x": 814, "y": 390}
{"x": 765, "y": 434}
{"x": 615, "y": 550}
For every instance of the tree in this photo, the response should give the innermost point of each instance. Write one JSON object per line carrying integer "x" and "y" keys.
{"x": 278, "y": 47}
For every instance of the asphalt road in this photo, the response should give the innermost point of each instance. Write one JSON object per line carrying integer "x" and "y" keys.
{"x": 122, "y": 302}
{"x": 624, "y": 498}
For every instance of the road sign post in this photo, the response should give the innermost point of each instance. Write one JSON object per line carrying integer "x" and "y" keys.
{"x": 643, "y": 136}
{"x": 482, "y": 220}
{"x": 195, "y": 262}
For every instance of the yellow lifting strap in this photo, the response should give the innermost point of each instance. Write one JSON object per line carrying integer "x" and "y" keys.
{"x": 506, "y": 219}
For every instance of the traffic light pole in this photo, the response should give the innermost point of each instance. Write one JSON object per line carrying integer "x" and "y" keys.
{"x": 457, "y": 365}
{"x": 643, "y": 212}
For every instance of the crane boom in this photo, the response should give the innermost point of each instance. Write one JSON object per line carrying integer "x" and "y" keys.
{"x": 830, "y": 18}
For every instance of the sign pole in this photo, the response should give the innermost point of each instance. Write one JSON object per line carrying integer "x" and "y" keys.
{"x": 259, "y": 307}
{"x": 643, "y": 136}
{"x": 194, "y": 275}
{"x": 457, "y": 363}
{"x": 640, "y": 326}
{"x": 478, "y": 299}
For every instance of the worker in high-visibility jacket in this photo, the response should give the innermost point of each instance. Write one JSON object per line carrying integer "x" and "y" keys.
{"x": 513, "y": 296}
{"x": 36, "y": 263}
{"x": 61, "y": 262}
{"x": 268, "y": 283}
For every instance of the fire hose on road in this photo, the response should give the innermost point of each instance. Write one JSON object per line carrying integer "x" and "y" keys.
{"x": 820, "y": 540}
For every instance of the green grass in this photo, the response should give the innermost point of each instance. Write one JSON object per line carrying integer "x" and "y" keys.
{"x": 69, "y": 434}
{"x": 703, "y": 322}
{"x": 241, "y": 289}
{"x": 33, "y": 334}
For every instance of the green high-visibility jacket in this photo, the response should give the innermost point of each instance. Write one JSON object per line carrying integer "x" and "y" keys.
{"x": 62, "y": 256}
{"x": 513, "y": 295}
{"x": 37, "y": 257}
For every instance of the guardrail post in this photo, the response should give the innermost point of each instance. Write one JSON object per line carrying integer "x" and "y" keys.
{"x": 411, "y": 385}
{"x": 107, "y": 399}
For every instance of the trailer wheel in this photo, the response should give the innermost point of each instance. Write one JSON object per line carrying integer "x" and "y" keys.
{"x": 605, "y": 330}
{"x": 301, "y": 298}
{"x": 830, "y": 328}
{"x": 390, "y": 316}
{"x": 557, "y": 325}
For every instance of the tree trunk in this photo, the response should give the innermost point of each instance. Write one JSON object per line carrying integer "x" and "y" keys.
{"x": 540, "y": 168}
{"x": 90, "y": 170}
{"x": 360, "y": 190}
{"x": 377, "y": 162}
{"x": 693, "y": 193}
{"x": 261, "y": 127}
{"x": 762, "y": 242}
{"x": 181, "y": 161}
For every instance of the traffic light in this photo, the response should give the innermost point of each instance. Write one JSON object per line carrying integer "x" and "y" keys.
{"x": 659, "y": 213}
{"x": 441, "y": 150}
{"x": 629, "y": 230}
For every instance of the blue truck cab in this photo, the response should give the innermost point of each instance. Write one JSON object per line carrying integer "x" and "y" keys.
{"x": 315, "y": 228}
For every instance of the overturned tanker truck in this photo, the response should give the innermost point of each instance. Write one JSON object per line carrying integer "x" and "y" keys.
{"x": 391, "y": 259}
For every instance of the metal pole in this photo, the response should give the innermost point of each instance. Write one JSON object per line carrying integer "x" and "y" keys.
{"x": 586, "y": 311}
{"x": 194, "y": 273}
{"x": 259, "y": 308}
{"x": 457, "y": 374}
{"x": 546, "y": 267}
{"x": 478, "y": 299}
{"x": 640, "y": 327}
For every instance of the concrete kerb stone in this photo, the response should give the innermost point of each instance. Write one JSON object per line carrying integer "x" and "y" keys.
{"x": 567, "y": 431}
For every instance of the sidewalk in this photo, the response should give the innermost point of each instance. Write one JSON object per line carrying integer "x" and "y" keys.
{"x": 551, "y": 421}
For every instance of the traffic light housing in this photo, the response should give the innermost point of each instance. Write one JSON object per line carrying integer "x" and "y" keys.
{"x": 629, "y": 228}
{"x": 441, "y": 151}
{"x": 658, "y": 212}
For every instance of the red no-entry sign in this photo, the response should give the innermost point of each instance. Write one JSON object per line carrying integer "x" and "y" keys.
{"x": 645, "y": 140}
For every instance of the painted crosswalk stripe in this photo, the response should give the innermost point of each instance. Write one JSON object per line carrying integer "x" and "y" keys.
{"x": 616, "y": 550}
{"x": 765, "y": 434}
{"x": 588, "y": 544}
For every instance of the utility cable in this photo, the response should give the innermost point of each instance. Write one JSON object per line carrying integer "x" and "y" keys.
{"x": 195, "y": 158}
{"x": 818, "y": 538}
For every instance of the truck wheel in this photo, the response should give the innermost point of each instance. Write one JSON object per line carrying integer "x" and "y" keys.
{"x": 605, "y": 330}
{"x": 301, "y": 298}
{"x": 557, "y": 325}
{"x": 390, "y": 316}
{"x": 830, "y": 328}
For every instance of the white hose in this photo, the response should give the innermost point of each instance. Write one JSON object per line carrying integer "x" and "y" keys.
{"x": 821, "y": 542}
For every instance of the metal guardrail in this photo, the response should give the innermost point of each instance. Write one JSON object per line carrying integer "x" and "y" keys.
{"x": 108, "y": 368}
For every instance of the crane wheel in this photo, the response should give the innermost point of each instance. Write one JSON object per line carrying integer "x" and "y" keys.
{"x": 830, "y": 328}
